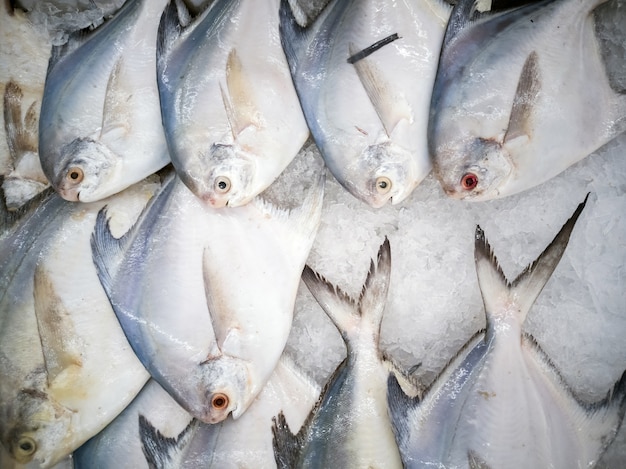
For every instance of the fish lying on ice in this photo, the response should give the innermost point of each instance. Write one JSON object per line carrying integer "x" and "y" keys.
{"x": 100, "y": 125}
{"x": 155, "y": 432}
{"x": 501, "y": 402}
{"x": 350, "y": 425}
{"x": 26, "y": 179}
{"x": 231, "y": 115}
{"x": 364, "y": 71}
{"x": 519, "y": 97}
{"x": 218, "y": 289}
{"x": 66, "y": 367}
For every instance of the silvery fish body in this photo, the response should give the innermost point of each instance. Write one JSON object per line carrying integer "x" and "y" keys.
{"x": 156, "y": 432}
{"x": 350, "y": 425}
{"x": 519, "y": 97}
{"x": 218, "y": 290}
{"x": 501, "y": 402}
{"x": 66, "y": 368}
{"x": 364, "y": 71}
{"x": 100, "y": 126}
{"x": 231, "y": 115}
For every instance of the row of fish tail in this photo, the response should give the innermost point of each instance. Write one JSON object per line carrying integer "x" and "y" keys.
{"x": 523, "y": 291}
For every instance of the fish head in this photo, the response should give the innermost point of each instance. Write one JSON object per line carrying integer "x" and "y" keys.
{"x": 226, "y": 388}
{"x": 226, "y": 179}
{"x": 475, "y": 169}
{"x": 84, "y": 167}
{"x": 383, "y": 172}
{"x": 36, "y": 428}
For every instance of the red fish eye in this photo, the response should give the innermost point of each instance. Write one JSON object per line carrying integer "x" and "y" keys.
{"x": 219, "y": 401}
{"x": 469, "y": 181}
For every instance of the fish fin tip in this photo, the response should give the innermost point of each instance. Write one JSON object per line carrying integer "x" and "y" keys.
{"x": 284, "y": 442}
{"x": 174, "y": 19}
{"x": 463, "y": 14}
{"x": 531, "y": 281}
{"x": 340, "y": 307}
{"x": 475, "y": 461}
{"x": 21, "y": 136}
{"x": 159, "y": 450}
{"x": 399, "y": 405}
{"x": 373, "y": 296}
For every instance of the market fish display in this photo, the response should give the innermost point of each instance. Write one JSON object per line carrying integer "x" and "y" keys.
{"x": 66, "y": 368}
{"x": 155, "y": 432}
{"x": 100, "y": 125}
{"x": 519, "y": 97}
{"x": 364, "y": 71}
{"x": 350, "y": 425}
{"x": 501, "y": 402}
{"x": 231, "y": 115}
{"x": 217, "y": 292}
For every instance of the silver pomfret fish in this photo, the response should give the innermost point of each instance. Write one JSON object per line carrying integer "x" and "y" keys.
{"x": 519, "y": 97}
{"x": 349, "y": 425}
{"x": 501, "y": 402}
{"x": 217, "y": 292}
{"x": 66, "y": 368}
{"x": 364, "y": 71}
{"x": 100, "y": 128}
{"x": 230, "y": 112}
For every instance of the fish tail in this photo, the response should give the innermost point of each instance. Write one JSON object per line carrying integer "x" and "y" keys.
{"x": 374, "y": 293}
{"x": 160, "y": 451}
{"x": 175, "y": 16}
{"x": 286, "y": 445}
{"x": 399, "y": 406}
{"x": 525, "y": 289}
{"x": 105, "y": 249}
{"x": 21, "y": 136}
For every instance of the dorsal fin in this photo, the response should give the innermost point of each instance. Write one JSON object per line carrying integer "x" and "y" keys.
{"x": 390, "y": 107}
{"x": 523, "y": 291}
{"x": 163, "y": 452}
{"x": 173, "y": 21}
{"x": 61, "y": 346}
{"x": 463, "y": 14}
{"x": 528, "y": 88}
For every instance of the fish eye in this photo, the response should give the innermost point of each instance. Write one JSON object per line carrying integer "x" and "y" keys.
{"x": 75, "y": 174}
{"x": 222, "y": 184}
{"x": 219, "y": 401}
{"x": 383, "y": 185}
{"x": 469, "y": 181}
{"x": 26, "y": 446}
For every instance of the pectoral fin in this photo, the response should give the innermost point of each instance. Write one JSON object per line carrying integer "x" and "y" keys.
{"x": 21, "y": 135}
{"x": 528, "y": 88}
{"x": 391, "y": 108}
{"x": 239, "y": 102}
{"x": 116, "y": 115}
{"x": 60, "y": 344}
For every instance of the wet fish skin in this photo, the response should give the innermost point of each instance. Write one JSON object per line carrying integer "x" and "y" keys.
{"x": 349, "y": 426}
{"x": 66, "y": 367}
{"x": 369, "y": 116}
{"x": 512, "y": 106}
{"x": 100, "y": 129}
{"x": 473, "y": 416}
{"x": 219, "y": 365}
{"x": 231, "y": 115}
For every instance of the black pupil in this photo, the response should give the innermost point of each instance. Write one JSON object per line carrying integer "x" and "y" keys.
{"x": 74, "y": 175}
{"x": 219, "y": 402}
{"x": 221, "y": 185}
{"x": 26, "y": 446}
{"x": 382, "y": 184}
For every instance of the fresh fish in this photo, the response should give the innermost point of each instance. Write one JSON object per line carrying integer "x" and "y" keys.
{"x": 501, "y": 402}
{"x": 100, "y": 125}
{"x": 519, "y": 97}
{"x": 364, "y": 71}
{"x": 231, "y": 115}
{"x": 26, "y": 179}
{"x": 156, "y": 432}
{"x": 217, "y": 292}
{"x": 66, "y": 368}
{"x": 349, "y": 426}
